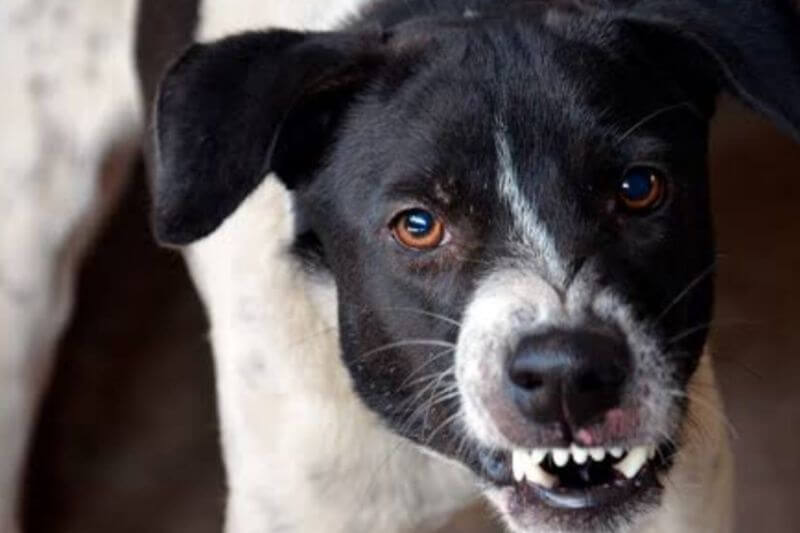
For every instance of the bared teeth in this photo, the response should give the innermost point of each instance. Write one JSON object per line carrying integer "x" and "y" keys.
{"x": 633, "y": 462}
{"x": 519, "y": 464}
{"x": 535, "y": 474}
{"x": 526, "y": 464}
{"x": 524, "y": 468}
{"x": 538, "y": 455}
{"x": 597, "y": 454}
{"x": 560, "y": 456}
{"x": 579, "y": 455}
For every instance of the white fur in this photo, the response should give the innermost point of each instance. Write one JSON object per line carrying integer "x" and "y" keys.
{"x": 69, "y": 107}
{"x": 538, "y": 243}
{"x": 221, "y": 18}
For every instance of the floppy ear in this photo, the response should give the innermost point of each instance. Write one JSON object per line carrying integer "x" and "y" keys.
{"x": 751, "y": 47}
{"x": 230, "y": 112}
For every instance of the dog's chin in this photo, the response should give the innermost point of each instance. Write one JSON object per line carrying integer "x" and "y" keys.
{"x": 607, "y": 494}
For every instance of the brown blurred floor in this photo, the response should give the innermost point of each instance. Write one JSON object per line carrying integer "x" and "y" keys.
{"x": 127, "y": 440}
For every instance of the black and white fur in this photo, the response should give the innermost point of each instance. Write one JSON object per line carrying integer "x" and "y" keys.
{"x": 512, "y": 119}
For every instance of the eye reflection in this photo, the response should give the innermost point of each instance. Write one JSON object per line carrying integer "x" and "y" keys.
{"x": 418, "y": 229}
{"x": 641, "y": 188}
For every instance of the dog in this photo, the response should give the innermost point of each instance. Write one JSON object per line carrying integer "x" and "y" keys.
{"x": 446, "y": 247}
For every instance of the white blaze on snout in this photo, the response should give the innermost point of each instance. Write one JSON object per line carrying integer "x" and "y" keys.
{"x": 514, "y": 302}
{"x": 507, "y": 305}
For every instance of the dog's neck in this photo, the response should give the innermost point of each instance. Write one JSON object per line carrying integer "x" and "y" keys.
{"x": 699, "y": 488}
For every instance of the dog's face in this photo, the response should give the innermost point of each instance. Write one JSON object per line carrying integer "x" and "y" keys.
{"x": 515, "y": 212}
{"x": 520, "y": 238}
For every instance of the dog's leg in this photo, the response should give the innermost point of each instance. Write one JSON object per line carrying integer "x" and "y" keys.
{"x": 68, "y": 129}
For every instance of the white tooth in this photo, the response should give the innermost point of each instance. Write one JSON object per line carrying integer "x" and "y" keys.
{"x": 597, "y": 454}
{"x": 579, "y": 455}
{"x": 520, "y": 461}
{"x": 651, "y": 453}
{"x": 538, "y": 455}
{"x": 616, "y": 453}
{"x": 535, "y": 474}
{"x": 560, "y": 456}
{"x": 633, "y": 462}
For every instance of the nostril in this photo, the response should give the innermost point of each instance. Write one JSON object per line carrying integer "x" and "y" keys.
{"x": 525, "y": 379}
{"x": 600, "y": 378}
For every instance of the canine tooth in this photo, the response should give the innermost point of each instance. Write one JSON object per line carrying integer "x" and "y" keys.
{"x": 633, "y": 462}
{"x": 535, "y": 474}
{"x": 579, "y": 455}
{"x": 597, "y": 454}
{"x": 520, "y": 461}
{"x": 651, "y": 453}
{"x": 616, "y": 453}
{"x": 538, "y": 455}
{"x": 560, "y": 456}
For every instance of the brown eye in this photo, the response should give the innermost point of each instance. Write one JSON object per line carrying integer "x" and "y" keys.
{"x": 418, "y": 229}
{"x": 641, "y": 188}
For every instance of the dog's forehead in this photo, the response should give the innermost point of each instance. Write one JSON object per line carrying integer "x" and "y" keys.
{"x": 514, "y": 118}
{"x": 473, "y": 87}
{"x": 538, "y": 60}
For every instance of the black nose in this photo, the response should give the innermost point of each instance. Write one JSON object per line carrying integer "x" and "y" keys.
{"x": 568, "y": 376}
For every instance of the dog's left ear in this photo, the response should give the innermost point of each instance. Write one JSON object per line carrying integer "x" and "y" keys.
{"x": 751, "y": 47}
{"x": 230, "y": 112}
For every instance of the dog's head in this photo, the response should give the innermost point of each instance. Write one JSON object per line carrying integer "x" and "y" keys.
{"x": 514, "y": 208}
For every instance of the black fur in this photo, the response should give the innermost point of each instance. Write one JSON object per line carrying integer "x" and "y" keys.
{"x": 226, "y": 111}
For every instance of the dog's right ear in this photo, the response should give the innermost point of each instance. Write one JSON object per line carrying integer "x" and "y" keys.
{"x": 230, "y": 112}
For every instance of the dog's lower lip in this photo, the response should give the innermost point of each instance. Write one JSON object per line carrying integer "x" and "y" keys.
{"x": 606, "y": 495}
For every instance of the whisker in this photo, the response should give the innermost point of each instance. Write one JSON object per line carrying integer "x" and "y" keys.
{"x": 687, "y": 333}
{"x": 435, "y": 382}
{"x": 441, "y": 426}
{"x": 426, "y": 377}
{"x": 426, "y": 313}
{"x": 747, "y": 369}
{"x": 432, "y": 394}
{"x": 655, "y": 114}
{"x": 408, "y": 342}
{"x": 715, "y": 324}
{"x": 691, "y": 285}
{"x": 712, "y": 408}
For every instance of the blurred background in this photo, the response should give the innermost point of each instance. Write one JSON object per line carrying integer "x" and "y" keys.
{"x": 127, "y": 437}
